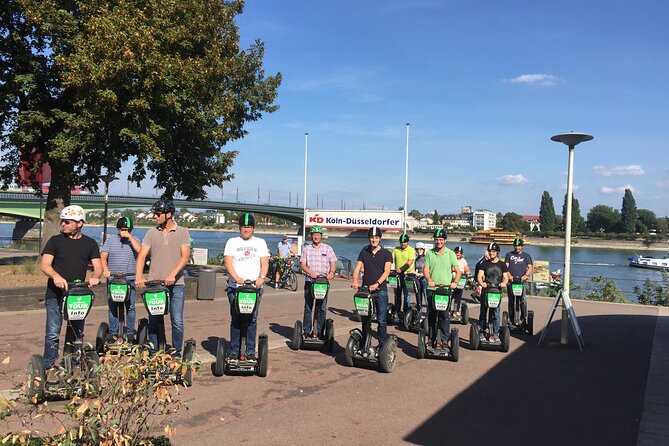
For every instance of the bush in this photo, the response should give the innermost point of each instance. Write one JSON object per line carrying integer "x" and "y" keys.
{"x": 653, "y": 294}
{"x": 136, "y": 392}
{"x": 600, "y": 289}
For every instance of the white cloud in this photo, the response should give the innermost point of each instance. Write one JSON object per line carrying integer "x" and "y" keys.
{"x": 511, "y": 180}
{"x": 663, "y": 184}
{"x": 546, "y": 80}
{"x": 616, "y": 190}
{"x": 633, "y": 170}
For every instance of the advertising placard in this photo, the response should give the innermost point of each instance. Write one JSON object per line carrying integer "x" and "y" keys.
{"x": 355, "y": 220}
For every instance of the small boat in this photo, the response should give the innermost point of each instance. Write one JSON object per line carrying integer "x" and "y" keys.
{"x": 650, "y": 262}
{"x": 485, "y": 236}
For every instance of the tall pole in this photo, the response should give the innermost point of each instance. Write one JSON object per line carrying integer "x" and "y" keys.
{"x": 304, "y": 197}
{"x": 106, "y": 179}
{"x": 406, "y": 184}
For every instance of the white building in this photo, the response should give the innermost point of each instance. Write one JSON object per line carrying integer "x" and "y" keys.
{"x": 484, "y": 219}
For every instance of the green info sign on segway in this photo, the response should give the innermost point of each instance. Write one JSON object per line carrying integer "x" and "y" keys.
{"x": 442, "y": 299}
{"x": 156, "y": 300}
{"x": 246, "y": 301}
{"x": 77, "y": 304}
{"x": 118, "y": 292}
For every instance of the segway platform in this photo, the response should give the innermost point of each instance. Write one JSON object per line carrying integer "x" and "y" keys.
{"x": 449, "y": 350}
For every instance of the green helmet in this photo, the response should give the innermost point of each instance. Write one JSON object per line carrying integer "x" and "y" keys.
{"x": 518, "y": 242}
{"x": 316, "y": 229}
{"x": 404, "y": 238}
{"x": 440, "y": 233}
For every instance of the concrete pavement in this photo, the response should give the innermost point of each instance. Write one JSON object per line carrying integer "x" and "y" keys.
{"x": 614, "y": 392}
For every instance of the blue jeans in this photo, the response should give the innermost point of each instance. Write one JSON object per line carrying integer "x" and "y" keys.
{"x": 402, "y": 289}
{"x": 321, "y": 307}
{"x": 437, "y": 320}
{"x": 457, "y": 299}
{"x": 129, "y": 312}
{"x": 422, "y": 290}
{"x": 236, "y": 325}
{"x": 380, "y": 299}
{"x": 176, "y": 318}
{"x": 483, "y": 316}
{"x": 54, "y": 322}
{"x": 512, "y": 304}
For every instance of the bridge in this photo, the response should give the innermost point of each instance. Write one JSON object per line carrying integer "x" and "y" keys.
{"x": 27, "y": 205}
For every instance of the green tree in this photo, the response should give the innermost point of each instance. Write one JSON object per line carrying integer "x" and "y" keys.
{"x": 603, "y": 218}
{"x": 415, "y": 213}
{"x": 514, "y": 222}
{"x": 646, "y": 220}
{"x": 547, "y": 213}
{"x": 436, "y": 220}
{"x": 628, "y": 213}
{"x": 605, "y": 290}
{"x": 91, "y": 84}
{"x": 577, "y": 221}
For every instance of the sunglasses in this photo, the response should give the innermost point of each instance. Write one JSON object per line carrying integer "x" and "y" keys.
{"x": 66, "y": 222}
{"x": 158, "y": 214}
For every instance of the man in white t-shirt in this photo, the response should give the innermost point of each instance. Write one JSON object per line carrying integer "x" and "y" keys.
{"x": 245, "y": 258}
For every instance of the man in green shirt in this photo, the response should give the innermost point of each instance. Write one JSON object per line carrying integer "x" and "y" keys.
{"x": 441, "y": 267}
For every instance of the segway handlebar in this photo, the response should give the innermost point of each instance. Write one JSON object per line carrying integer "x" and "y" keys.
{"x": 155, "y": 282}
{"x": 77, "y": 284}
{"x": 517, "y": 279}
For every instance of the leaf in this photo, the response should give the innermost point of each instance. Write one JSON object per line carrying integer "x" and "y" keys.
{"x": 6, "y": 360}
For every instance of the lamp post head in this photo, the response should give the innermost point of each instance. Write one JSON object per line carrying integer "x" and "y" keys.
{"x": 108, "y": 178}
{"x": 571, "y": 138}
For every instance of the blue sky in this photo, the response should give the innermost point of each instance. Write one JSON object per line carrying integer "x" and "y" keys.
{"x": 483, "y": 84}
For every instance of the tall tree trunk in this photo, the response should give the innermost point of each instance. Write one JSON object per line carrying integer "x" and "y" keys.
{"x": 58, "y": 197}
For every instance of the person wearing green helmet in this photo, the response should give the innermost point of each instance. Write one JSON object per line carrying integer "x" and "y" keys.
{"x": 520, "y": 265}
{"x": 318, "y": 259}
{"x": 403, "y": 258}
{"x": 493, "y": 273}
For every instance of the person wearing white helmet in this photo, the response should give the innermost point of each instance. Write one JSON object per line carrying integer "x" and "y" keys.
{"x": 420, "y": 264}
{"x": 65, "y": 258}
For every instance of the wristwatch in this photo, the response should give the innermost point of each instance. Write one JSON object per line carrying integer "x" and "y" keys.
{"x": 262, "y": 277}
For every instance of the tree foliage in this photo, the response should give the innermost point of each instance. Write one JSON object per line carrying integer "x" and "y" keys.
{"x": 547, "y": 213}
{"x": 577, "y": 221}
{"x": 436, "y": 220}
{"x": 88, "y": 85}
{"x": 628, "y": 213}
{"x": 514, "y": 222}
{"x": 652, "y": 293}
{"x": 603, "y": 218}
{"x": 646, "y": 221}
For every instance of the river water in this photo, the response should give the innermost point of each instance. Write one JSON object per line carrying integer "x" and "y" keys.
{"x": 586, "y": 262}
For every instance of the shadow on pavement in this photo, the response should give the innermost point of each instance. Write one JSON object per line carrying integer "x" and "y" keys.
{"x": 281, "y": 330}
{"x": 343, "y": 313}
{"x": 210, "y": 344}
{"x": 554, "y": 395}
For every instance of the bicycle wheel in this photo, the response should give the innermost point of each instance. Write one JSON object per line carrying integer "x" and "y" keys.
{"x": 291, "y": 281}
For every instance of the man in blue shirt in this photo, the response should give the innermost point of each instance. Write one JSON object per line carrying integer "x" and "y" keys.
{"x": 520, "y": 265}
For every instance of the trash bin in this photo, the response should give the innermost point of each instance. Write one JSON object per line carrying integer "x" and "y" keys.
{"x": 206, "y": 285}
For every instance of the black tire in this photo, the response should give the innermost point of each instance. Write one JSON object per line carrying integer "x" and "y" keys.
{"x": 348, "y": 352}
{"x": 505, "y": 318}
{"x": 263, "y": 356}
{"x": 36, "y": 378}
{"x": 390, "y": 313}
{"x": 408, "y": 319}
{"x": 143, "y": 332}
{"x": 505, "y": 339}
{"x": 221, "y": 353}
{"x": 421, "y": 344}
{"x": 291, "y": 281}
{"x": 296, "y": 340}
{"x": 474, "y": 336}
{"x": 464, "y": 313}
{"x": 387, "y": 355}
{"x": 329, "y": 335}
{"x": 189, "y": 352}
{"x": 426, "y": 326}
{"x": 530, "y": 323}
{"x": 101, "y": 338}
{"x": 455, "y": 345}
{"x": 162, "y": 342}
{"x": 90, "y": 369}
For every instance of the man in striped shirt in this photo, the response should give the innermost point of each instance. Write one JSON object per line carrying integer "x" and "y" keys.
{"x": 317, "y": 259}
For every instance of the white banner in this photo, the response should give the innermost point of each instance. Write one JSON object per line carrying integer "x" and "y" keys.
{"x": 352, "y": 220}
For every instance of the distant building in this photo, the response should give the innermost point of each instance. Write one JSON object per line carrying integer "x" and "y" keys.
{"x": 457, "y": 220}
{"x": 220, "y": 218}
{"x": 466, "y": 210}
{"x": 533, "y": 221}
{"x": 484, "y": 219}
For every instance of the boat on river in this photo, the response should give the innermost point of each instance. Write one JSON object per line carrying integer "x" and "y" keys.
{"x": 640, "y": 261}
{"x": 498, "y": 235}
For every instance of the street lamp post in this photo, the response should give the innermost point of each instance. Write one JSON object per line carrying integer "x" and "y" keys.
{"x": 406, "y": 183}
{"x": 106, "y": 179}
{"x": 304, "y": 197}
{"x": 570, "y": 139}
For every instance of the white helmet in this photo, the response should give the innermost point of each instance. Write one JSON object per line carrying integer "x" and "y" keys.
{"x": 420, "y": 245}
{"x": 73, "y": 212}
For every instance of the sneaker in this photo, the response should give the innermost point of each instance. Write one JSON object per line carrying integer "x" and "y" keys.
{"x": 52, "y": 375}
{"x": 111, "y": 339}
{"x": 233, "y": 356}
{"x": 251, "y": 357}
{"x": 276, "y": 286}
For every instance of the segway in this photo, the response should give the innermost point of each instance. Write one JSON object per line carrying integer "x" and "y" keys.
{"x": 478, "y": 336}
{"x": 393, "y": 283}
{"x": 77, "y": 302}
{"x": 440, "y": 301}
{"x": 324, "y": 340}
{"x": 359, "y": 351}
{"x": 413, "y": 318}
{"x": 119, "y": 293}
{"x": 464, "y": 310}
{"x": 156, "y": 297}
{"x": 246, "y": 299}
{"x": 517, "y": 325}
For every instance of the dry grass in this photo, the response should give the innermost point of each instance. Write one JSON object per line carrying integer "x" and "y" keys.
{"x": 25, "y": 274}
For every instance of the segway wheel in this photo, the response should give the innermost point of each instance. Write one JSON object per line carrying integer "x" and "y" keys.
{"x": 292, "y": 281}
{"x": 221, "y": 353}
{"x": 296, "y": 340}
{"x": 36, "y": 378}
{"x": 263, "y": 356}
{"x": 408, "y": 319}
{"x": 162, "y": 342}
{"x": 189, "y": 352}
{"x": 101, "y": 338}
{"x": 143, "y": 332}
{"x": 505, "y": 339}
{"x": 530, "y": 322}
{"x": 387, "y": 355}
{"x": 505, "y": 318}
{"x": 329, "y": 335}
{"x": 426, "y": 326}
{"x": 91, "y": 371}
{"x": 421, "y": 344}
{"x": 474, "y": 337}
{"x": 455, "y": 345}
{"x": 390, "y": 313}
{"x": 350, "y": 348}
{"x": 464, "y": 314}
